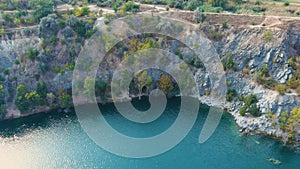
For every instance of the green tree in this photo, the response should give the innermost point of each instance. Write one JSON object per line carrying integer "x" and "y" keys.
{"x": 217, "y": 3}
{"x": 2, "y": 111}
{"x": 32, "y": 53}
{"x": 65, "y": 100}
{"x": 7, "y": 18}
{"x": 89, "y": 86}
{"x": 41, "y": 8}
{"x": 230, "y": 94}
{"x": 165, "y": 83}
{"x": 143, "y": 80}
{"x": 42, "y": 90}
{"x": 21, "y": 101}
{"x": 33, "y": 99}
{"x": 2, "y": 95}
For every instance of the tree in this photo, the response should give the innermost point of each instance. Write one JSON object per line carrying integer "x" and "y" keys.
{"x": 50, "y": 98}
{"x": 217, "y": 3}
{"x": 2, "y": 111}
{"x": 165, "y": 83}
{"x": 41, "y": 8}
{"x": 49, "y": 26}
{"x": 89, "y": 86}
{"x": 2, "y": 95}
{"x": 199, "y": 16}
{"x": 7, "y": 17}
{"x": 42, "y": 90}
{"x": 231, "y": 93}
{"x": 21, "y": 101}
{"x": 65, "y": 101}
{"x": 254, "y": 110}
{"x": 33, "y": 99}
{"x": 32, "y": 53}
{"x": 143, "y": 80}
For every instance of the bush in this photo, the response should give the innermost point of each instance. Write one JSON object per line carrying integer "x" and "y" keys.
{"x": 41, "y": 8}
{"x": 268, "y": 35}
{"x": 49, "y": 26}
{"x": 250, "y": 99}
{"x": 243, "y": 110}
{"x": 7, "y": 17}
{"x": 254, "y": 110}
{"x": 224, "y": 25}
{"x": 65, "y": 100}
{"x": 280, "y": 88}
{"x": 205, "y": 8}
{"x": 17, "y": 21}
{"x": 32, "y": 53}
{"x": 298, "y": 90}
{"x": 230, "y": 94}
{"x": 42, "y": 90}
{"x": 286, "y": 3}
{"x": 2, "y": 95}
{"x": 250, "y": 106}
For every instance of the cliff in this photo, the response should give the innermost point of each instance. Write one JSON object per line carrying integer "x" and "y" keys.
{"x": 270, "y": 42}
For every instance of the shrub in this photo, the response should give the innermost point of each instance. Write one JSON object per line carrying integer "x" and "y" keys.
{"x": 250, "y": 106}
{"x": 32, "y": 53}
{"x": 254, "y": 110}
{"x": 65, "y": 100}
{"x": 49, "y": 26}
{"x": 286, "y": 3}
{"x": 7, "y": 17}
{"x": 280, "y": 88}
{"x": 73, "y": 51}
{"x": 246, "y": 71}
{"x": 230, "y": 94}
{"x": 298, "y": 90}
{"x": 6, "y": 72}
{"x": 224, "y": 25}
{"x": 268, "y": 35}
{"x": 165, "y": 83}
{"x": 70, "y": 66}
{"x": 42, "y": 90}
{"x": 17, "y": 62}
{"x": 17, "y": 21}
{"x": 2, "y": 95}
{"x": 41, "y": 8}
{"x": 243, "y": 110}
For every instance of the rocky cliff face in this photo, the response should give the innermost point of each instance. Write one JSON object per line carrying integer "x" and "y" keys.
{"x": 246, "y": 46}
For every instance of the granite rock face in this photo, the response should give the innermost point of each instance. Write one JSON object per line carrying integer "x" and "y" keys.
{"x": 245, "y": 46}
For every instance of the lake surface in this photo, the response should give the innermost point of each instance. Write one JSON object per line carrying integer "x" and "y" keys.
{"x": 56, "y": 140}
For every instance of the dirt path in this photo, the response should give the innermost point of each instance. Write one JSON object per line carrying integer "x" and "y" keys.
{"x": 270, "y": 20}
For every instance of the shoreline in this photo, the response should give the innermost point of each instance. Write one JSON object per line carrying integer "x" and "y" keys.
{"x": 244, "y": 123}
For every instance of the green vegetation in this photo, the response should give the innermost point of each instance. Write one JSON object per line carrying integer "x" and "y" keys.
{"x": 32, "y": 53}
{"x": 294, "y": 82}
{"x": 2, "y": 102}
{"x": 41, "y": 8}
{"x": 81, "y": 11}
{"x": 228, "y": 62}
{"x": 268, "y": 35}
{"x": 286, "y": 3}
{"x": 128, "y": 6}
{"x": 290, "y": 122}
{"x": 143, "y": 80}
{"x": 250, "y": 106}
{"x": 65, "y": 100}
{"x": 165, "y": 83}
{"x": 27, "y": 100}
{"x": 230, "y": 94}
{"x": 42, "y": 90}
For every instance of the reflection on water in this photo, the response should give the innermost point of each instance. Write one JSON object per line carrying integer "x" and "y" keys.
{"x": 56, "y": 140}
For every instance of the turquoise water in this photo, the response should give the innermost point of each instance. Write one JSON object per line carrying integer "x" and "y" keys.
{"x": 56, "y": 140}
